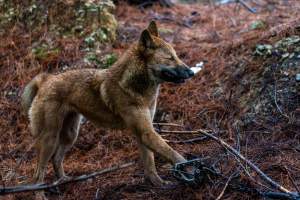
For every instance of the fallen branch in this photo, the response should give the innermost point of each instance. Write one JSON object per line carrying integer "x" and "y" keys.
{"x": 43, "y": 186}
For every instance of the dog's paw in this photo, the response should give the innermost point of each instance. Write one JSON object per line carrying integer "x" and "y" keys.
{"x": 156, "y": 181}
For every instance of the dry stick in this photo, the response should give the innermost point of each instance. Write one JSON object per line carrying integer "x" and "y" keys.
{"x": 197, "y": 139}
{"x": 184, "y": 132}
{"x": 292, "y": 179}
{"x": 246, "y": 6}
{"x": 275, "y": 101}
{"x": 193, "y": 140}
{"x": 249, "y": 175}
{"x": 97, "y": 195}
{"x": 43, "y": 186}
{"x": 179, "y": 132}
{"x": 225, "y": 186}
{"x": 167, "y": 124}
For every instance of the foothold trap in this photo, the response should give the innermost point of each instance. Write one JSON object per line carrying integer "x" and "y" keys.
{"x": 193, "y": 172}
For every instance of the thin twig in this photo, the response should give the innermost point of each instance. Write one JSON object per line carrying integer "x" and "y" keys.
{"x": 97, "y": 195}
{"x": 252, "y": 10}
{"x": 43, "y": 186}
{"x": 179, "y": 132}
{"x": 193, "y": 140}
{"x": 275, "y": 101}
{"x": 238, "y": 143}
{"x": 167, "y": 124}
{"x": 184, "y": 132}
{"x": 225, "y": 186}
{"x": 292, "y": 179}
{"x": 249, "y": 175}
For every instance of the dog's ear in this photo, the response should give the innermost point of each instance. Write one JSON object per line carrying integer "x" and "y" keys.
{"x": 146, "y": 40}
{"x": 152, "y": 28}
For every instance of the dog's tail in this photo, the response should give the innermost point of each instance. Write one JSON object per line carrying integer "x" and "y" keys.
{"x": 30, "y": 92}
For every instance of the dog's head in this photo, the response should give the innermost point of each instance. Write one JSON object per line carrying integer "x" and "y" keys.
{"x": 161, "y": 60}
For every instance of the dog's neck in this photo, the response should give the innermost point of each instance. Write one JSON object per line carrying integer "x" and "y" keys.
{"x": 137, "y": 83}
{"x": 133, "y": 77}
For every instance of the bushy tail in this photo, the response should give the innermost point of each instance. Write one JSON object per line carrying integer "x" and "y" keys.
{"x": 30, "y": 92}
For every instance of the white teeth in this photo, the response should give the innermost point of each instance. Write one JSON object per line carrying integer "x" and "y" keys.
{"x": 198, "y": 67}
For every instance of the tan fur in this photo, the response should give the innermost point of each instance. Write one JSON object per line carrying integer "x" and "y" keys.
{"x": 123, "y": 96}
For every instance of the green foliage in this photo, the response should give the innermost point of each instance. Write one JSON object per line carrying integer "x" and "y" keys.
{"x": 98, "y": 17}
{"x": 91, "y": 22}
{"x": 263, "y": 49}
{"x": 43, "y": 51}
{"x": 99, "y": 35}
{"x": 102, "y": 62}
{"x": 286, "y": 48}
{"x": 91, "y": 58}
{"x": 258, "y": 24}
{"x": 79, "y": 18}
{"x": 108, "y": 60}
{"x": 285, "y": 44}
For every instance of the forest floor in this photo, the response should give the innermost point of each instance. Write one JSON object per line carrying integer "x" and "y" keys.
{"x": 247, "y": 94}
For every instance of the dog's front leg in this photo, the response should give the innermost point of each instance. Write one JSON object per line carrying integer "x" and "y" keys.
{"x": 140, "y": 122}
{"x": 147, "y": 159}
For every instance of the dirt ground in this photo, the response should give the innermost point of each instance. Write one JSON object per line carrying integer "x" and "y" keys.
{"x": 219, "y": 98}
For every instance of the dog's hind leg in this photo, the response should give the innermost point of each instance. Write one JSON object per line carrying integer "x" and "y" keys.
{"x": 67, "y": 138}
{"x": 50, "y": 118}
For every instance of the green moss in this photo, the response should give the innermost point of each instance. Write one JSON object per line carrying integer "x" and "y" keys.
{"x": 258, "y": 24}
{"x": 103, "y": 62}
{"x": 43, "y": 51}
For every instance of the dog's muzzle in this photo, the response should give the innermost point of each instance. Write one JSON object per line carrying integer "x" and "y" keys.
{"x": 176, "y": 75}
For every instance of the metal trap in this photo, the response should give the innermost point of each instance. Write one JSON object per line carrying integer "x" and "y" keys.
{"x": 193, "y": 172}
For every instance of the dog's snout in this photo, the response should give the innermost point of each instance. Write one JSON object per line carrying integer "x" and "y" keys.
{"x": 185, "y": 72}
{"x": 190, "y": 73}
{"x": 175, "y": 74}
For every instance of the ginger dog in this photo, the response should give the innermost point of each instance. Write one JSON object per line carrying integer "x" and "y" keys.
{"x": 121, "y": 97}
